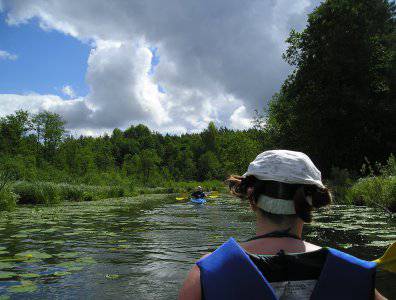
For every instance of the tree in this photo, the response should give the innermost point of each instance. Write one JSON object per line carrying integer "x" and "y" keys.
{"x": 339, "y": 103}
{"x": 50, "y": 128}
{"x": 209, "y": 166}
{"x": 12, "y": 130}
{"x": 209, "y": 138}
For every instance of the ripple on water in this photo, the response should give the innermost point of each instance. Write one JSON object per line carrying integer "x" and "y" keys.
{"x": 90, "y": 250}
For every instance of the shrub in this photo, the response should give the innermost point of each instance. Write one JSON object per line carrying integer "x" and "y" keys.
{"x": 37, "y": 192}
{"x": 379, "y": 191}
{"x": 8, "y": 199}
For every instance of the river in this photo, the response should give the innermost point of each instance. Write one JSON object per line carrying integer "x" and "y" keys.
{"x": 112, "y": 249}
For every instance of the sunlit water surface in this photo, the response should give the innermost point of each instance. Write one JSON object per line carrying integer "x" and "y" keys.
{"x": 106, "y": 250}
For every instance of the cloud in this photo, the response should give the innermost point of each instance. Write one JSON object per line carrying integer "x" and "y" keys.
{"x": 240, "y": 119}
{"x": 174, "y": 67}
{"x": 7, "y": 56}
{"x": 68, "y": 91}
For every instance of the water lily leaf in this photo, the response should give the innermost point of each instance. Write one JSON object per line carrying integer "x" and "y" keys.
{"x": 2, "y": 248}
{"x": 50, "y": 230}
{"x": 19, "y": 236}
{"x": 3, "y": 252}
{"x": 67, "y": 264}
{"x": 86, "y": 260}
{"x": 29, "y": 275}
{"x": 5, "y": 297}
{"x": 25, "y": 287}
{"x": 61, "y": 273}
{"x": 112, "y": 276}
{"x": 30, "y": 230}
{"x": 6, "y": 265}
{"x": 33, "y": 254}
{"x": 7, "y": 275}
{"x": 68, "y": 254}
{"x": 75, "y": 269}
{"x": 59, "y": 242}
{"x": 71, "y": 233}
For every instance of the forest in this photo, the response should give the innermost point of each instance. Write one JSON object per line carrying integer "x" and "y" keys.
{"x": 338, "y": 106}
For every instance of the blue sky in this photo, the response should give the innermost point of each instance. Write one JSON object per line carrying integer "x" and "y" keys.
{"x": 47, "y": 60}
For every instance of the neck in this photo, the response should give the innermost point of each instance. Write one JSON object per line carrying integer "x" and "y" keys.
{"x": 264, "y": 226}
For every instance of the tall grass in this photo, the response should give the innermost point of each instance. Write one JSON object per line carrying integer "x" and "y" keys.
{"x": 8, "y": 199}
{"x": 378, "y": 191}
{"x": 52, "y": 193}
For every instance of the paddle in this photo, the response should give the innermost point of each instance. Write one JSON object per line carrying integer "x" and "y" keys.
{"x": 212, "y": 195}
{"x": 183, "y": 197}
{"x": 388, "y": 260}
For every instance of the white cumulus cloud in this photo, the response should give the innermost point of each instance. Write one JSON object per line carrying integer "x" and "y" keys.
{"x": 218, "y": 60}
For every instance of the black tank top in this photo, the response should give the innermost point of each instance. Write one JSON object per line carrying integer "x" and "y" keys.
{"x": 290, "y": 266}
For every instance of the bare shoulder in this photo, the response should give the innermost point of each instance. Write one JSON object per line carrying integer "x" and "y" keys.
{"x": 191, "y": 288}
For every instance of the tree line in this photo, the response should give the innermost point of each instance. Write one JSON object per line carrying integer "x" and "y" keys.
{"x": 37, "y": 147}
{"x": 338, "y": 106}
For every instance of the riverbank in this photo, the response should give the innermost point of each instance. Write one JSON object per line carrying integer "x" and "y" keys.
{"x": 377, "y": 189}
{"x": 49, "y": 193}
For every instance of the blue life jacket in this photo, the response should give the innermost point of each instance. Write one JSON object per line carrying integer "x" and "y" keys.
{"x": 229, "y": 273}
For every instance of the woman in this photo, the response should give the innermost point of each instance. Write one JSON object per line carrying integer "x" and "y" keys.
{"x": 282, "y": 187}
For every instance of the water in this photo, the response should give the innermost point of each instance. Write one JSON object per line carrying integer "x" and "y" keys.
{"x": 111, "y": 250}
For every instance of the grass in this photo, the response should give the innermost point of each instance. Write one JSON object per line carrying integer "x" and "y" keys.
{"x": 52, "y": 193}
{"x": 49, "y": 193}
{"x": 376, "y": 191}
{"x": 8, "y": 199}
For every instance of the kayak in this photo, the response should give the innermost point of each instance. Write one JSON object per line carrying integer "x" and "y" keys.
{"x": 198, "y": 200}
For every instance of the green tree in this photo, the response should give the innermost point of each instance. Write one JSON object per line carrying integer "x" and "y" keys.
{"x": 13, "y": 129}
{"x": 339, "y": 103}
{"x": 209, "y": 167}
{"x": 50, "y": 128}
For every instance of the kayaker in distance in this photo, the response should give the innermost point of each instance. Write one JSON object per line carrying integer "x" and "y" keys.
{"x": 282, "y": 187}
{"x": 199, "y": 193}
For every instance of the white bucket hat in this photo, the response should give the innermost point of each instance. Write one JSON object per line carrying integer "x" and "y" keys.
{"x": 283, "y": 166}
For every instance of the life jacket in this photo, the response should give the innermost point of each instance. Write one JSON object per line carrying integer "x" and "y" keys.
{"x": 229, "y": 273}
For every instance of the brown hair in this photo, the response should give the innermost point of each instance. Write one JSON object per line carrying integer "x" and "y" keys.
{"x": 251, "y": 188}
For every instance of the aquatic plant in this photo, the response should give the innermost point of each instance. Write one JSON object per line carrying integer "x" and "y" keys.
{"x": 376, "y": 191}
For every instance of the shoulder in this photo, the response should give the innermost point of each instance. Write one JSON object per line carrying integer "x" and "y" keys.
{"x": 191, "y": 288}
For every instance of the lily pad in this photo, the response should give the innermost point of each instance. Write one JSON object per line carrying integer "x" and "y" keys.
{"x": 67, "y": 254}
{"x": 29, "y": 275}
{"x": 3, "y": 252}
{"x": 112, "y": 276}
{"x": 33, "y": 254}
{"x": 30, "y": 230}
{"x": 86, "y": 260}
{"x": 67, "y": 264}
{"x": 74, "y": 269}
{"x": 19, "y": 236}
{"x": 6, "y": 265}
{"x": 2, "y": 248}
{"x": 59, "y": 242}
{"x": 5, "y": 297}
{"x": 61, "y": 273}
{"x": 7, "y": 275}
{"x": 25, "y": 287}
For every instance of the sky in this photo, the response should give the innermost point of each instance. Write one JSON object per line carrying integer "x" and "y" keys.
{"x": 172, "y": 65}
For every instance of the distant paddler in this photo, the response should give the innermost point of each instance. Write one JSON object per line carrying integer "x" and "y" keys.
{"x": 199, "y": 193}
